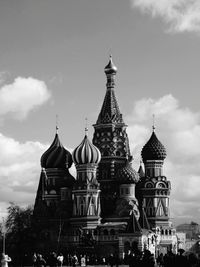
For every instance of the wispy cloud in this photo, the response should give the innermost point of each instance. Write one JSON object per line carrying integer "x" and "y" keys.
{"x": 178, "y": 129}
{"x": 180, "y": 15}
{"x": 22, "y": 96}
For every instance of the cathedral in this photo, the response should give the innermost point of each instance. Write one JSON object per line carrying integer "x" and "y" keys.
{"x": 108, "y": 207}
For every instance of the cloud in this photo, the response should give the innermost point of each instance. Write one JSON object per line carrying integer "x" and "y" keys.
{"x": 20, "y": 171}
{"x": 22, "y": 96}
{"x": 178, "y": 128}
{"x": 180, "y": 15}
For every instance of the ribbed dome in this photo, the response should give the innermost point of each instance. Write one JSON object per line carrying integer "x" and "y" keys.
{"x": 86, "y": 153}
{"x": 110, "y": 68}
{"x": 56, "y": 156}
{"x": 154, "y": 149}
{"x": 127, "y": 174}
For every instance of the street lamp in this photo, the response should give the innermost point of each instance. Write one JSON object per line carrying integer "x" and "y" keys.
{"x": 4, "y": 235}
{"x": 156, "y": 247}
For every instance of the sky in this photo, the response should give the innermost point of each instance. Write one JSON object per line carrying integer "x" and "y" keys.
{"x": 52, "y": 59}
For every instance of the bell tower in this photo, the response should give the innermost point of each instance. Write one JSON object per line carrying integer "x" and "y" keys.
{"x": 111, "y": 138}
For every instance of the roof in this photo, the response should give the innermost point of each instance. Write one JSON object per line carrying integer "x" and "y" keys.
{"x": 56, "y": 156}
{"x": 153, "y": 149}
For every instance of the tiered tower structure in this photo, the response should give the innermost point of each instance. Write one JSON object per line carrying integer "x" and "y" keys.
{"x": 53, "y": 199}
{"x": 111, "y": 138}
{"x": 86, "y": 192}
{"x": 153, "y": 190}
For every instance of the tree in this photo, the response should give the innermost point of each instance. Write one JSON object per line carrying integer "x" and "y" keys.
{"x": 19, "y": 234}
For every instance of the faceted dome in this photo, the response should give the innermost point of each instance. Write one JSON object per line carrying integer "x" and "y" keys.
{"x": 110, "y": 68}
{"x": 154, "y": 149}
{"x": 86, "y": 153}
{"x": 127, "y": 174}
{"x": 56, "y": 156}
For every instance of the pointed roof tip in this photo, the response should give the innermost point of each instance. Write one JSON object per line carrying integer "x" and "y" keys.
{"x": 57, "y": 128}
{"x": 86, "y": 131}
{"x": 153, "y": 126}
{"x": 86, "y": 127}
{"x": 57, "y": 124}
{"x": 110, "y": 68}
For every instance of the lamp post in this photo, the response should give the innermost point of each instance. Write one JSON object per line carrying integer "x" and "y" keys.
{"x": 4, "y": 235}
{"x": 156, "y": 248}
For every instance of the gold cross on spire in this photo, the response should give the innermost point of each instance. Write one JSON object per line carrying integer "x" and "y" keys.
{"x": 153, "y": 126}
{"x": 86, "y": 126}
{"x": 57, "y": 123}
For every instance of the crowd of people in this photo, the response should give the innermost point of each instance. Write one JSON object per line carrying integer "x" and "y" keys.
{"x": 57, "y": 260}
{"x": 147, "y": 259}
{"x": 139, "y": 259}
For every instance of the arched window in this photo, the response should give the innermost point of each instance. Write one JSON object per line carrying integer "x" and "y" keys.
{"x": 127, "y": 246}
{"x": 118, "y": 153}
{"x": 112, "y": 232}
{"x": 82, "y": 207}
{"x": 149, "y": 185}
{"x": 160, "y": 185}
{"x": 105, "y": 153}
{"x": 105, "y": 232}
{"x": 134, "y": 246}
{"x": 95, "y": 232}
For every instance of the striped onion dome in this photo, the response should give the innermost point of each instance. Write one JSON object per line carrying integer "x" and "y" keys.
{"x": 56, "y": 156}
{"x": 127, "y": 175}
{"x": 110, "y": 68}
{"x": 154, "y": 149}
{"x": 86, "y": 153}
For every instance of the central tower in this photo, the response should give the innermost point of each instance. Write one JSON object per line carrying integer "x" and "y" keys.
{"x": 111, "y": 138}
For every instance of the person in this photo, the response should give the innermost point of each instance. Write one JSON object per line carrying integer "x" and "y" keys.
{"x": 34, "y": 259}
{"x": 160, "y": 260}
{"x": 41, "y": 261}
{"x": 83, "y": 261}
{"x": 4, "y": 260}
{"x": 60, "y": 259}
{"x": 52, "y": 261}
{"x": 74, "y": 260}
{"x": 111, "y": 260}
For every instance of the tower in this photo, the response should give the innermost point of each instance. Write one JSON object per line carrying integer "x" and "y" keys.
{"x": 111, "y": 138}
{"x": 153, "y": 190}
{"x": 85, "y": 194}
{"x": 53, "y": 199}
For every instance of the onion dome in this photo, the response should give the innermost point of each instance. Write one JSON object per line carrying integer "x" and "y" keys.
{"x": 86, "y": 153}
{"x": 110, "y": 68}
{"x": 154, "y": 149}
{"x": 56, "y": 156}
{"x": 127, "y": 174}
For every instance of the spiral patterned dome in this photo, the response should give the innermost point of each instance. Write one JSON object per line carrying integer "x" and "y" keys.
{"x": 110, "y": 68}
{"x": 86, "y": 153}
{"x": 56, "y": 156}
{"x": 127, "y": 174}
{"x": 154, "y": 149}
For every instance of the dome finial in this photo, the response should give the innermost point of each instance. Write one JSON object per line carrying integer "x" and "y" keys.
{"x": 153, "y": 126}
{"x": 57, "y": 124}
{"x": 86, "y": 126}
